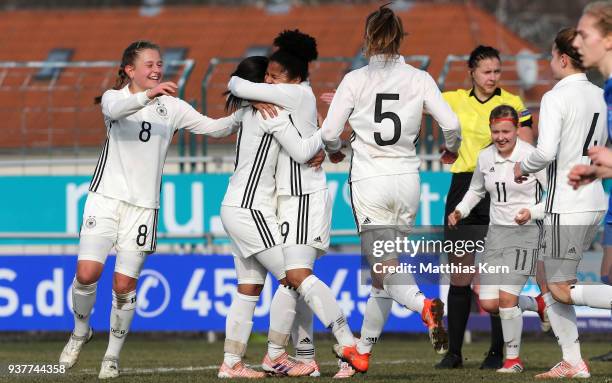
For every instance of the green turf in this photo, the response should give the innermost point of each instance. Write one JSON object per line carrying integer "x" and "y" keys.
{"x": 393, "y": 361}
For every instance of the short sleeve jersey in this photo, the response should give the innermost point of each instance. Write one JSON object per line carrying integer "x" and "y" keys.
{"x": 473, "y": 117}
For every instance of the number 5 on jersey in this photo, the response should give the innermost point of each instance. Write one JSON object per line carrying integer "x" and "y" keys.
{"x": 379, "y": 115}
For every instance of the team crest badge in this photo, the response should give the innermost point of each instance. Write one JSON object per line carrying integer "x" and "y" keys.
{"x": 90, "y": 222}
{"x": 161, "y": 110}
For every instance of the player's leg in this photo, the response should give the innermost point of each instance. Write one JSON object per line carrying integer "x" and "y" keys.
{"x": 302, "y": 335}
{"x": 97, "y": 237}
{"x": 251, "y": 276}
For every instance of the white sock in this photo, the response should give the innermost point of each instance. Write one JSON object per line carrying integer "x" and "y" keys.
{"x": 374, "y": 319}
{"x": 403, "y": 289}
{"x": 527, "y": 303}
{"x": 238, "y": 325}
{"x": 121, "y": 317}
{"x": 282, "y": 314}
{"x": 321, "y": 301}
{"x": 83, "y": 300}
{"x": 302, "y": 334}
{"x": 563, "y": 322}
{"x": 512, "y": 327}
{"x": 597, "y": 296}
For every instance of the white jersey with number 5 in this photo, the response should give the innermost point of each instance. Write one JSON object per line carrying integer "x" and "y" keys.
{"x": 384, "y": 103}
{"x": 572, "y": 119}
{"x": 138, "y": 134}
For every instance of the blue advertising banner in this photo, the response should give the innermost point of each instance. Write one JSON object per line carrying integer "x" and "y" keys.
{"x": 194, "y": 292}
{"x": 188, "y": 292}
{"x": 190, "y": 203}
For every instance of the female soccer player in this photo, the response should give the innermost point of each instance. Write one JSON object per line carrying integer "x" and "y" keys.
{"x": 121, "y": 210}
{"x": 571, "y": 121}
{"x": 304, "y": 205}
{"x": 383, "y": 102}
{"x": 248, "y": 213}
{"x": 507, "y": 244}
{"x": 473, "y": 107}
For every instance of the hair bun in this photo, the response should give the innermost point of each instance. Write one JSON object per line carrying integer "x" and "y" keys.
{"x": 298, "y": 44}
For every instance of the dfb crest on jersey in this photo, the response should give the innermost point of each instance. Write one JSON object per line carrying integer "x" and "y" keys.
{"x": 161, "y": 110}
{"x": 90, "y": 222}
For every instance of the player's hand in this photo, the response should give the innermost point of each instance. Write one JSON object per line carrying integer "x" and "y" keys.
{"x": 454, "y": 218}
{"x": 447, "y": 156}
{"x": 523, "y": 216}
{"x": 266, "y": 110}
{"x": 336, "y": 157}
{"x": 601, "y": 156}
{"x": 582, "y": 175}
{"x": 519, "y": 177}
{"x": 327, "y": 97}
{"x": 167, "y": 88}
{"x": 317, "y": 160}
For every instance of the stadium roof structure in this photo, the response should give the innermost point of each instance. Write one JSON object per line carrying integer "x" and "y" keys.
{"x": 435, "y": 30}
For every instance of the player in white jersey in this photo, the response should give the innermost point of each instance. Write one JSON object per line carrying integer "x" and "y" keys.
{"x": 248, "y": 213}
{"x": 572, "y": 119}
{"x": 121, "y": 210}
{"x": 384, "y": 102}
{"x": 304, "y": 206}
{"x": 507, "y": 244}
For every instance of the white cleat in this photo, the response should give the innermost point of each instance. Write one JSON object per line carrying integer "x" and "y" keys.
{"x": 565, "y": 370}
{"x": 72, "y": 349}
{"x": 109, "y": 368}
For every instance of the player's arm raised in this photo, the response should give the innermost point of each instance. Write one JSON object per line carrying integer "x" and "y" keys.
{"x": 339, "y": 112}
{"x": 286, "y": 96}
{"x": 299, "y": 149}
{"x": 189, "y": 118}
{"x": 439, "y": 109}
{"x": 116, "y": 107}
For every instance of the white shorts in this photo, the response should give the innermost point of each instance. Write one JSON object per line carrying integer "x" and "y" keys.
{"x": 386, "y": 201}
{"x": 251, "y": 231}
{"x": 518, "y": 264}
{"x": 253, "y": 270}
{"x": 568, "y": 235}
{"x": 107, "y": 223}
{"x": 305, "y": 219}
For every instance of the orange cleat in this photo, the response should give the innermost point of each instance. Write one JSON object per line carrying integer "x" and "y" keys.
{"x": 565, "y": 370}
{"x": 349, "y": 354}
{"x": 285, "y": 365}
{"x": 512, "y": 366}
{"x": 240, "y": 370}
{"x": 432, "y": 314}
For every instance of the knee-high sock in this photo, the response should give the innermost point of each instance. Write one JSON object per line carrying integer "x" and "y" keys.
{"x": 563, "y": 322}
{"x": 122, "y": 314}
{"x": 83, "y": 300}
{"x": 497, "y": 335}
{"x": 597, "y": 296}
{"x": 403, "y": 289}
{"x": 321, "y": 301}
{"x": 459, "y": 304}
{"x": 512, "y": 325}
{"x": 374, "y": 319}
{"x": 302, "y": 334}
{"x": 282, "y": 314}
{"x": 238, "y": 325}
{"x": 527, "y": 303}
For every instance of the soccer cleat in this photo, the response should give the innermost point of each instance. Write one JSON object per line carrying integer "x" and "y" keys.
{"x": 512, "y": 366}
{"x": 313, "y": 363}
{"x": 450, "y": 361}
{"x": 544, "y": 322}
{"x": 565, "y": 370}
{"x": 285, "y": 365}
{"x": 72, "y": 349}
{"x": 345, "y": 371}
{"x": 492, "y": 361}
{"x": 349, "y": 354}
{"x": 432, "y": 314}
{"x": 240, "y": 370}
{"x": 109, "y": 368}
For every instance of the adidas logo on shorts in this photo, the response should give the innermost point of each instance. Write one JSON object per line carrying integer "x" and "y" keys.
{"x": 572, "y": 251}
{"x": 366, "y": 221}
{"x": 318, "y": 239}
{"x": 306, "y": 341}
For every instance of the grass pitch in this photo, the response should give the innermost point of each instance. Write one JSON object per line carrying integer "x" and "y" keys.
{"x": 195, "y": 360}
